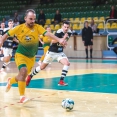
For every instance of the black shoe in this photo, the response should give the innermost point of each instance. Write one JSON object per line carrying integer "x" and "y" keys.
{"x": 86, "y": 57}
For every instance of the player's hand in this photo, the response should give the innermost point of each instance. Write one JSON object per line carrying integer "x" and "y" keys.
{"x": 62, "y": 41}
{"x": 65, "y": 36}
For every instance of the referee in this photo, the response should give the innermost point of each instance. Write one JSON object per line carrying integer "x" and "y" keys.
{"x": 87, "y": 38}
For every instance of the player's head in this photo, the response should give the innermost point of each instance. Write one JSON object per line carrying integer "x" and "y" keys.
{"x": 10, "y": 23}
{"x": 65, "y": 26}
{"x": 30, "y": 17}
{"x": 48, "y": 28}
{"x": 2, "y": 25}
{"x": 86, "y": 24}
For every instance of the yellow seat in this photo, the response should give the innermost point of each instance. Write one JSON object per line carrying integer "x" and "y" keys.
{"x": 89, "y": 19}
{"x": 81, "y": 26}
{"x": 108, "y": 26}
{"x": 76, "y": 20}
{"x": 95, "y": 19}
{"x": 48, "y": 21}
{"x": 52, "y": 27}
{"x": 82, "y": 19}
{"x": 113, "y": 26}
{"x": 57, "y": 27}
{"x": 45, "y": 26}
{"x": 101, "y": 19}
{"x": 75, "y": 26}
{"x": 71, "y": 19}
{"x": 101, "y": 26}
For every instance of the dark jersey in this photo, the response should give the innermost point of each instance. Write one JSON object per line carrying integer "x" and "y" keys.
{"x": 1, "y": 31}
{"x": 9, "y": 42}
{"x": 87, "y": 34}
{"x": 56, "y": 47}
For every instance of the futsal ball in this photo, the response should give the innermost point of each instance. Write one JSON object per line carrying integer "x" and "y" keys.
{"x": 67, "y": 104}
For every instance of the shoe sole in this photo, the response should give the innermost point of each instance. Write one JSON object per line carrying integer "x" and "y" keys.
{"x": 62, "y": 85}
{"x": 7, "y": 89}
{"x": 25, "y": 102}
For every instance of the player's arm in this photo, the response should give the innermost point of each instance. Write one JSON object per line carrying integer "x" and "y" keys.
{"x": 53, "y": 37}
{"x": 4, "y": 37}
{"x": 15, "y": 39}
{"x": 41, "y": 39}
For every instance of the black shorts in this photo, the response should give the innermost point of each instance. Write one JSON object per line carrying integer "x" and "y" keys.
{"x": 88, "y": 43}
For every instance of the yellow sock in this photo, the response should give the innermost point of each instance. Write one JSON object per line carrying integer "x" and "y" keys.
{"x": 21, "y": 86}
{"x": 13, "y": 81}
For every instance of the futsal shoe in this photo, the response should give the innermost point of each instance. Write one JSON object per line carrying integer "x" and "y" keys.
{"x": 28, "y": 79}
{"x": 24, "y": 100}
{"x": 8, "y": 86}
{"x": 62, "y": 83}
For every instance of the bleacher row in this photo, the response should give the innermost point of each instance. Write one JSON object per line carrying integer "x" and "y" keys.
{"x": 8, "y": 7}
{"x": 76, "y": 11}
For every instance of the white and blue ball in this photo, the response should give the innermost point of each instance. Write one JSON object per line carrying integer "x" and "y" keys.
{"x": 68, "y": 104}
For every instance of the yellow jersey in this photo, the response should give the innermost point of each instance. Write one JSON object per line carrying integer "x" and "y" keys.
{"x": 46, "y": 40}
{"x": 28, "y": 38}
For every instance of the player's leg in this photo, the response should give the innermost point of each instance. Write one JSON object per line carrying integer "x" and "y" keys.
{"x": 48, "y": 58}
{"x": 91, "y": 49}
{"x": 4, "y": 66}
{"x": 86, "y": 51}
{"x": 86, "y": 48}
{"x": 42, "y": 58}
{"x": 24, "y": 65}
{"x": 6, "y": 59}
{"x": 63, "y": 60}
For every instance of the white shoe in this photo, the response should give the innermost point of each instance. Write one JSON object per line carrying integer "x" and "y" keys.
{"x": 24, "y": 100}
{"x": 2, "y": 70}
{"x": 8, "y": 86}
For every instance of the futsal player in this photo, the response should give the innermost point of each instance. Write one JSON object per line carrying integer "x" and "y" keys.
{"x": 55, "y": 52}
{"x": 46, "y": 44}
{"x": 7, "y": 47}
{"x": 27, "y": 34}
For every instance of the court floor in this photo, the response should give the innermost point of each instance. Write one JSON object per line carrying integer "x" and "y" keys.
{"x": 92, "y": 86}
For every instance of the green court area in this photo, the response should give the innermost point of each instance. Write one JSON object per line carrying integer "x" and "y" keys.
{"x": 101, "y": 83}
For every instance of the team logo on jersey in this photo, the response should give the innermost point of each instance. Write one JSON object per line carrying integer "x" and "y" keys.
{"x": 27, "y": 38}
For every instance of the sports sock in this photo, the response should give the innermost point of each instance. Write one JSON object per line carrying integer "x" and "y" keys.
{"x": 5, "y": 64}
{"x": 37, "y": 69}
{"x": 13, "y": 80}
{"x": 21, "y": 86}
{"x": 64, "y": 72}
{"x": 91, "y": 52}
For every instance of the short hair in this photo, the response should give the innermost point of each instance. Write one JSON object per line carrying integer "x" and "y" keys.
{"x": 29, "y": 10}
{"x": 2, "y": 22}
{"x": 10, "y": 20}
{"x": 66, "y": 22}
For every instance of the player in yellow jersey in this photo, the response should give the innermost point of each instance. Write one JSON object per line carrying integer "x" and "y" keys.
{"x": 46, "y": 44}
{"x": 27, "y": 34}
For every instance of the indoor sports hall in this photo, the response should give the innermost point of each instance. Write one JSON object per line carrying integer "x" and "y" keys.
{"x": 92, "y": 80}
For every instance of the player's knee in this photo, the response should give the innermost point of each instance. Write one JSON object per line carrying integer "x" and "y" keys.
{"x": 23, "y": 73}
{"x": 67, "y": 64}
{"x": 42, "y": 67}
